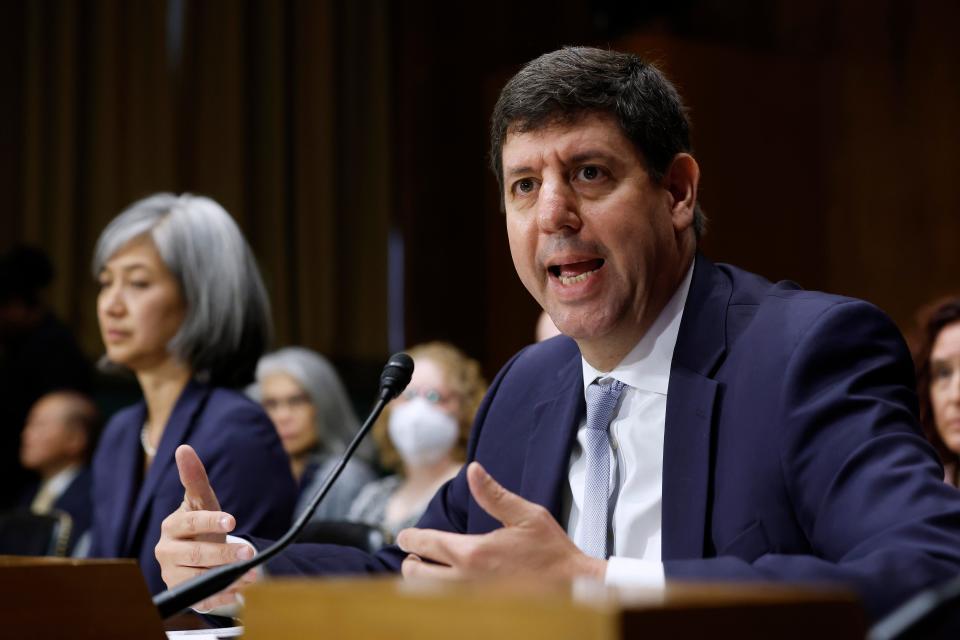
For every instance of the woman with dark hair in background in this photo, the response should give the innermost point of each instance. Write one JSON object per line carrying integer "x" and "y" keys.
{"x": 306, "y": 401}
{"x": 423, "y": 436}
{"x": 182, "y": 306}
{"x": 937, "y": 357}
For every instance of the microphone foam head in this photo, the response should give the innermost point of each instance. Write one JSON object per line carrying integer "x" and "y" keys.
{"x": 396, "y": 375}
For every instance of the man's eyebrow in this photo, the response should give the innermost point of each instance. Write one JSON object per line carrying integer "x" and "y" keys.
{"x": 578, "y": 158}
{"x": 593, "y": 154}
{"x": 516, "y": 171}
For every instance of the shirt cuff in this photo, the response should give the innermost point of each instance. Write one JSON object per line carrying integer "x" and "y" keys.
{"x": 237, "y": 540}
{"x": 231, "y": 610}
{"x": 633, "y": 572}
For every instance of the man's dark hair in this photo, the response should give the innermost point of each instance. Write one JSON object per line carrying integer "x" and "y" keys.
{"x": 565, "y": 85}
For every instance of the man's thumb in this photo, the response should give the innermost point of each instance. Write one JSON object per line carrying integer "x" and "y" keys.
{"x": 507, "y": 507}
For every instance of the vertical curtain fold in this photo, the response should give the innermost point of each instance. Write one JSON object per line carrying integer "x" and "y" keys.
{"x": 263, "y": 106}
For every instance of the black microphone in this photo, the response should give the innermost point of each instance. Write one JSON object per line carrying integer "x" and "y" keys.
{"x": 394, "y": 379}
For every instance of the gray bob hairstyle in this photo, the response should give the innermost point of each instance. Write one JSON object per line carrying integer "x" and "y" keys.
{"x": 227, "y": 323}
{"x": 336, "y": 422}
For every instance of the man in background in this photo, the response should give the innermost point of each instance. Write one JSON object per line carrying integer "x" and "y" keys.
{"x": 38, "y": 354}
{"x": 57, "y": 443}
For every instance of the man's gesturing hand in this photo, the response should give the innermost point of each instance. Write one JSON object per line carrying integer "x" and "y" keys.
{"x": 193, "y": 538}
{"x": 530, "y": 542}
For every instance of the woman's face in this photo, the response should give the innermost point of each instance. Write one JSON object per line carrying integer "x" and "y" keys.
{"x": 945, "y": 385}
{"x": 139, "y": 307}
{"x": 291, "y": 411}
{"x": 428, "y": 383}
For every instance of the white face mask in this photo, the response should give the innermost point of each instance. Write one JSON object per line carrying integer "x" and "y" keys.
{"x": 422, "y": 433}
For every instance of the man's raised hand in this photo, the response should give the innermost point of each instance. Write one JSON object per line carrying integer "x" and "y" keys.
{"x": 530, "y": 542}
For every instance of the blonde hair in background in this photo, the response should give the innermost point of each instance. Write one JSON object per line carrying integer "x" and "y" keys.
{"x": 464, "y": 378}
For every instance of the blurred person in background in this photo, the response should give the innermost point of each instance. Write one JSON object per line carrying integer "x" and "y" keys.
{"x": 422, "y": 436}
{"x": 183, "y": 307}
{"x": 305, "y": 399}
{"x": 38, "y": 354}
{"x": 937, "y": 358}
{"x": 57, "y": 442}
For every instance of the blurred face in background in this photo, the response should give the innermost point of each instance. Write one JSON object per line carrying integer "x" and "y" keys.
{"x": 428, "y": 382}
{"x": 292, "y": 412}
{"x": 49, "y": 441}
{"x": 139, "y": 307}
{"x": 424, "y": 421}
{"x": 945, "y": 385}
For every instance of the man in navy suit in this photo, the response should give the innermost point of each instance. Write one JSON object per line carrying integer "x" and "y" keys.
{"x": 57, "y": 442}
{"x": 752, "y": 430}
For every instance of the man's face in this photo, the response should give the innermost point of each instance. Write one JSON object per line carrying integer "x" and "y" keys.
{"x": 598, "y": 244}
{"x": 49, "y": 441}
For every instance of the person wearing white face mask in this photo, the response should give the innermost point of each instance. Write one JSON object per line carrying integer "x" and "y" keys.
{"x": 422, "y": 435}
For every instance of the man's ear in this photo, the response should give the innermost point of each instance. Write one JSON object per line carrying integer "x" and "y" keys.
{"x": 681, "y": 180}
{"x": 76, "y": 439}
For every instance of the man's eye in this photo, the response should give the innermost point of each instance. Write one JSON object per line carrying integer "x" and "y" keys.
{"x": 590, "y": 173}
{"x": 524, "y": 186}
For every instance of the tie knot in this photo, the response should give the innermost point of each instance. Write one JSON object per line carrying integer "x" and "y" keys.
{"x": 602, "y": 397}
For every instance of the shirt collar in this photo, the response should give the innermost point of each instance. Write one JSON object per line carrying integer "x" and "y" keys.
{"x": 647, "y": 366}
{"x": 58, "y": 482}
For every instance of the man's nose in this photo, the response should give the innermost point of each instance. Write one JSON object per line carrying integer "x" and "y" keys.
{"x": 558, "y": 208}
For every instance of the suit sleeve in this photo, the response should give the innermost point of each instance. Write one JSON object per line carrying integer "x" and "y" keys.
{"x": 866, "y": 488}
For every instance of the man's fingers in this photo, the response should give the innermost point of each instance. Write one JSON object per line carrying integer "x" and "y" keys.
{"x": 191, "y": 553}
{"x": 414, "y": 568}
{"x": 197, "y": 492}
{"x": 438, "y": 546}
{"x": 189, "y": 524}
{"x": 507, "y": 507}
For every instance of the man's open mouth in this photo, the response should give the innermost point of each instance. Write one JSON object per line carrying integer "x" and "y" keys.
{"x": 575, "y": 272}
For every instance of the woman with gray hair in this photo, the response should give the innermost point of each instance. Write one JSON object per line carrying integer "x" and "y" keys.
{"x": 304, "y": 397}
{"x": 182, "y": 306}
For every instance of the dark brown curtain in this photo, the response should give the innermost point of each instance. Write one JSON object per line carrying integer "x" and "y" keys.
{"x": 277, "y": 109}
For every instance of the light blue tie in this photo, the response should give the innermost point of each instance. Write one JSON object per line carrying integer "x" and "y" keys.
{"x": 602, "y": 400}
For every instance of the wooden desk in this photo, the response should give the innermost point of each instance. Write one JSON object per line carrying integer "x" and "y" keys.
{"x": 391, "y": 608}
{"x": 79, "y": 599}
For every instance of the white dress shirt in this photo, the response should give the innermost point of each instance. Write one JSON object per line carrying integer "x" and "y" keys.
{"x": 636, "y": 451}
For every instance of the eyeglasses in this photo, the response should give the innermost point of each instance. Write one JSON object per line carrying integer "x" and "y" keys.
{"x": 432, "y": 396}
{"x": 296, "y": 401}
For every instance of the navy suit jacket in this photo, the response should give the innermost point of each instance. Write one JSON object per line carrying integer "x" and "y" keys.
{"x": 236, "y": 442}
{"x": 791, "y": 449}
{"x": 75, "y": 501}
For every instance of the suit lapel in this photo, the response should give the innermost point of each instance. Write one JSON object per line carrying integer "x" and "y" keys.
{"x": 691, "y": 399}
{"x": 548, "y": 449}
{"x": 75, "y": 492}
{"x": 189, "y": 405}
{"x": 126, "y": 476}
